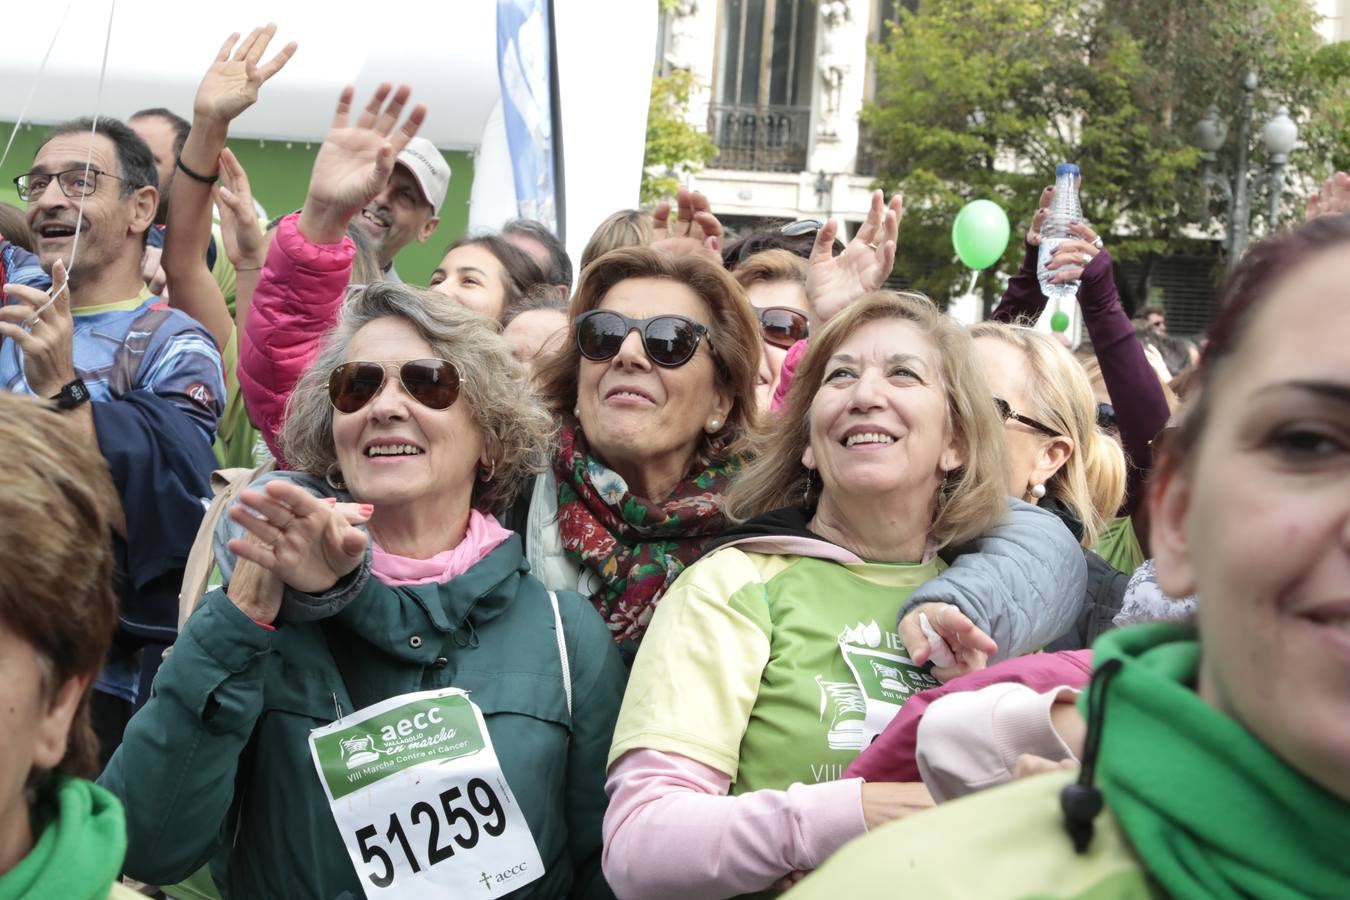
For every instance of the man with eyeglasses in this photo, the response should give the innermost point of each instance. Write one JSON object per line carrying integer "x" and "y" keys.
{"x": 142, "y": 379}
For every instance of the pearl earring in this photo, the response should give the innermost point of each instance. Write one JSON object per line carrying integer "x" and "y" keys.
{"x": 714, "y": 424}
{"x": 1038, "y": 491}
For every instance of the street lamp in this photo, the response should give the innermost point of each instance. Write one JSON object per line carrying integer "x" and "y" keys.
{"x": 1279, "y": 136}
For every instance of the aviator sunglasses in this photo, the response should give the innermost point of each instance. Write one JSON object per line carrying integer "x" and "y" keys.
{"x": 783, "y": 326}
{"x": 670, "y": 340}
{"x": 434, "y": 383}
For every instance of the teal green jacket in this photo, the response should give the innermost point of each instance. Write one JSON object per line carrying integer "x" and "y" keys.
{"x": 216, "y": 767}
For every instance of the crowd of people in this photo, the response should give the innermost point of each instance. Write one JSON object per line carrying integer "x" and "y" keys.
{"x": 706, "y": 569}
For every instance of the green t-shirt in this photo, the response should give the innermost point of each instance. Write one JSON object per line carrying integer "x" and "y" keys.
{"x": 1119, "y": 546}
{"x": 237, "y": 440}
{"x": 743, "y": 667}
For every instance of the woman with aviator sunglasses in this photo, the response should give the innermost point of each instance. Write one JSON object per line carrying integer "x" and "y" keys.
{"x": 372, "y": 573}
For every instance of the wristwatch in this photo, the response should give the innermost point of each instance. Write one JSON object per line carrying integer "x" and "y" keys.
{"x": 71, "y": 396}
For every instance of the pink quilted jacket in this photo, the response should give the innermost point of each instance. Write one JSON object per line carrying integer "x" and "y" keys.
{"x": 297, "y": 300}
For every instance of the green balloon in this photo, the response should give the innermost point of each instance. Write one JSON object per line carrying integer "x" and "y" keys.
{"x": 1059, "y": 321}
{"x": 980, "y": 233}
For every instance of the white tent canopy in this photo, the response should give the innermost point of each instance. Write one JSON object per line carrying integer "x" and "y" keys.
{"x": 159, "y": 50}
{"x": 446, "y": 51}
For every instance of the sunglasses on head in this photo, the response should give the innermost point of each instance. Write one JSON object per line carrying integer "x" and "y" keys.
{"x": 1006, "y": 413}
{"x": 434, "y": 383}
{"x": 783, "y": 326}
{"x": 669, "y": 340}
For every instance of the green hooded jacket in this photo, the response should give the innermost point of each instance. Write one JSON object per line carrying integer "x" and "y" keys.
{"x": 217, "y": 767}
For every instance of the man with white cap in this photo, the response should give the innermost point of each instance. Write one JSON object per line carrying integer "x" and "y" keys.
{"x": 408, "y": 209}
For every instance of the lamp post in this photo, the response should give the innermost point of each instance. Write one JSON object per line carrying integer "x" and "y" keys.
{"x": 1278, "y": 135}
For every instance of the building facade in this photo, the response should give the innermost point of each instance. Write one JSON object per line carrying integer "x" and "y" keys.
{"x": 781, "y": 85}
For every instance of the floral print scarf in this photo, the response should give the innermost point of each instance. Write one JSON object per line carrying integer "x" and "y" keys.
{"x": 636, "y": 547}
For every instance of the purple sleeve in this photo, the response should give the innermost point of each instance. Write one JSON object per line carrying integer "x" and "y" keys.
{"x": 1140, "y": 405}
{"x": 1023, "y": 299}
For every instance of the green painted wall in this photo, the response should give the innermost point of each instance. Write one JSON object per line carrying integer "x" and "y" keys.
{"x": 279, "y": 174}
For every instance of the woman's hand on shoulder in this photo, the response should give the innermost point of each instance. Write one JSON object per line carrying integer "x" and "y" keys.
{"x": 307, "y": 542}
{"x": 833, "y": 282}
{"x": 967, "y": 648}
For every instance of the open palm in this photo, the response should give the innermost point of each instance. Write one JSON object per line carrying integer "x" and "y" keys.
{"x": 833, "y": 282}
{"x": 355, "y": 161}
{"x": 231, "y": 85}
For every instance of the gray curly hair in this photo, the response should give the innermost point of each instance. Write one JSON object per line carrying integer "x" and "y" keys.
{"x": 517, "y": 431}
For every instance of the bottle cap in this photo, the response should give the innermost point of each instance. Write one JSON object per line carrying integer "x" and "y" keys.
{"x": 1066, "y": 169}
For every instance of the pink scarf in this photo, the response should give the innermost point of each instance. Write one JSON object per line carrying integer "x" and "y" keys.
{"x": 481, "y": 537}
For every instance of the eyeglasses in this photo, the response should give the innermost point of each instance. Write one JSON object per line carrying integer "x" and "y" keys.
{"x": 1005, "y": 412}
{"x": 1106, "y": 417}
{"x": 434, "y": 383}
{"x": 75, "y": 183}
{"x": 669, "y": 340}
{"x": 783, "y": 326}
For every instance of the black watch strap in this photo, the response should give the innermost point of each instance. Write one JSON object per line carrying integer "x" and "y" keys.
{"x": 71, "y": 396}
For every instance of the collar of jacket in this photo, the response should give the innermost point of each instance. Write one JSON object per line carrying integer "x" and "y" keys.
{"x": 455, "y": 608}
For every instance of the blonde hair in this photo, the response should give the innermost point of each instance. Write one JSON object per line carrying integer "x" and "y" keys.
{"x": 770, "y": 267}
{"x": 517, "y": 431}
{"x": 733, "y": 336}
{"x": 625, "y": 228}
{"x": 1091, "y": 483}
{"x": 973, "y": 498}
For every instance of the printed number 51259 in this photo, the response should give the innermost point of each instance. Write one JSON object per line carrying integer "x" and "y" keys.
{"x": 482, "y": 799}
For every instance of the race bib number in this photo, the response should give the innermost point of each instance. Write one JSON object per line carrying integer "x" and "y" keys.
{"x": 418, "y": 794}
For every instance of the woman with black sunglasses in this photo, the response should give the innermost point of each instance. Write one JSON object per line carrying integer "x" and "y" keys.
{"x": 775, "y": 283}
{"x": 655, "y": 390}
{"x": 366, "y": 591}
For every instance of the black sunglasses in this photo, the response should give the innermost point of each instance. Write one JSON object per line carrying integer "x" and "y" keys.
{"x": 1106, "y": 417}
{"x": 669, "y": 340}
{"x": 783, "y": 326}
{"x": 434, "y": 383}
{"x": 1005, "y": 412}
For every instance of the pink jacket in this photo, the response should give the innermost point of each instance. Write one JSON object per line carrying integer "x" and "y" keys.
{"x": 297, "y": 300}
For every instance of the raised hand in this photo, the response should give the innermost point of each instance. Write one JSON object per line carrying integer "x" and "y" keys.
{"x": 305, "y": 541}
{"x": 1334, "y": 198}
{"x": 239, "y": 226}
{"x": 42, "y": 325}
{"x": 968, "y": 646}
{"x": 833, "y": 282}
{"x": 355, "y": 161}
{"x": 695, "y": 229}
{"x": 1072, "y": 255}
{"x": 231, "y": 85}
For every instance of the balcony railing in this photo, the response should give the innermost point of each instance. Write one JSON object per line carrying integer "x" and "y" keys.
{"x": 760, "y": 138}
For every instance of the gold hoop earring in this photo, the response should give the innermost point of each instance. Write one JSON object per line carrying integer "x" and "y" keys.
{"x": 334, "y": 478}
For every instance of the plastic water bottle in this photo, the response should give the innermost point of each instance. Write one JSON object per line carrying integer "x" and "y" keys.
{"x": 1064, "y": 211}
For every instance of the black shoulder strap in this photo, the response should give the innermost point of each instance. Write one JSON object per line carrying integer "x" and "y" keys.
{"x": 340, "y": 648}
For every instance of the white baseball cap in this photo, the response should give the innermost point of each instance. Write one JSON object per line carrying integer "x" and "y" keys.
{"x": 429, "y": 168}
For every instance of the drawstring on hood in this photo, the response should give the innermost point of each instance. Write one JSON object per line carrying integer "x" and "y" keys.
{"x": 1082, "y": 800}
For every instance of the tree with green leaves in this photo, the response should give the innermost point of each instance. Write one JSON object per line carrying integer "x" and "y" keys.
{"x": 981, "y": 98}
{"x": 674, "y": 147}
